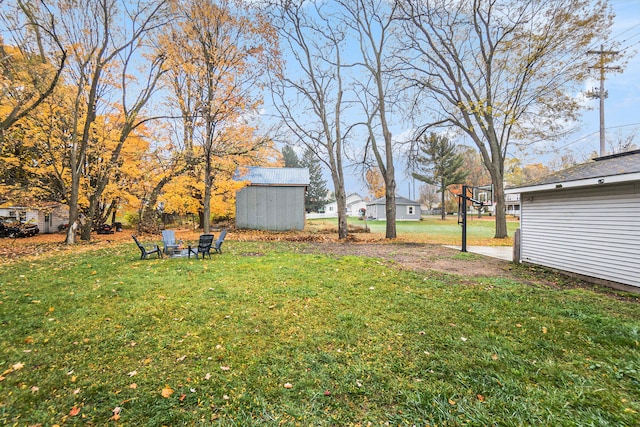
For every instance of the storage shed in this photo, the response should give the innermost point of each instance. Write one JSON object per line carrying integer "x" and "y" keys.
{"x": 406, "y": 210}
{"x": 273, "y": 200}
{"x": 586, "y": 220}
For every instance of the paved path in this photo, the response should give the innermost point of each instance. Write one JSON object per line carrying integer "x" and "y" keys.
{"x": 502, "y": 252}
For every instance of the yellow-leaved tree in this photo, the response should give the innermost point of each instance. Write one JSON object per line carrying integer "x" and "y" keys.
{"x": 217, "y": 56}
{"x": 32, "y": 61}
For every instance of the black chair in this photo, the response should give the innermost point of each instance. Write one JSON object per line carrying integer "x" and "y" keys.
{"x": 204, "y": 246}
{"x": 218, "y": 244}
{"x": 145, "y": 251}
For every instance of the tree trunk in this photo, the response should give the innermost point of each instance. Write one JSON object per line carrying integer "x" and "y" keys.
{"x": 341, "y": 201}
{"x": 88, "y": 224}
{"x": 443, "y": 213}
{"x": 501, "y": 216}
{"x": 390, "y": 209}
{"x": 73, "y": 204}
{"x": 206, "y": 208}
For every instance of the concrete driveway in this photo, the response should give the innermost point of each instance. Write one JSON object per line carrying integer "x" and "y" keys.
{"x": 501, "y": 252}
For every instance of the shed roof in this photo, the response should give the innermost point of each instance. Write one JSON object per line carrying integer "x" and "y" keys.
{"x": 622, "y": 167}
{"x": 276, "y": 176}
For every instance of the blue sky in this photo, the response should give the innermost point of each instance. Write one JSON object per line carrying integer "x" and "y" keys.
{"x": 622, "y": 107}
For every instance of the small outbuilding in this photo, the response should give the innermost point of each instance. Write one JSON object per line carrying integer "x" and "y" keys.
{"x": 273, "y": 199}
{"x": 586, "y": 220}
{"x": 406, "y": 210}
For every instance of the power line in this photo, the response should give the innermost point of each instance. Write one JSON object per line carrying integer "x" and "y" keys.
{"x": 601, "y": 93}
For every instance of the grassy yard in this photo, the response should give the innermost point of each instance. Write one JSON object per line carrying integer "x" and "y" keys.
{"x": 267, "y": 334}
{"x": 431, "y": 229}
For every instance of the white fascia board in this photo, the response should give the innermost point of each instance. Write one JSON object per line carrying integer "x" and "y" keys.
{"x": 612, "y": 179}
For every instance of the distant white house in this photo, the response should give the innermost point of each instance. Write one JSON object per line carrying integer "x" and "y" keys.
{"x": 48, "y": 217}
{"x": 585, "y": 220}
{"x": 355, "y": 202}
{"x": 512, "y": 204}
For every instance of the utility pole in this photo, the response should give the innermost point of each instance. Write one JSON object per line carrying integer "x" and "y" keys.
{"x": 600, "y": 92}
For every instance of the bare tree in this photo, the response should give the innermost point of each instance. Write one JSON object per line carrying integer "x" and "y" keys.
{"x": 501, "y": 71}
{"x": 309, "y": 94}
{"x": 373, "y": 23}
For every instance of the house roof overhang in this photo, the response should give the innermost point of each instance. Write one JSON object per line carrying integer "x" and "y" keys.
{"x": 587, "y": 182}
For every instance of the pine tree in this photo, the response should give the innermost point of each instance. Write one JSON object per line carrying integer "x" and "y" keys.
{"x": 317, "y": 192}
{"x": 290, "y": 157}
{"x": 440, "y": 164}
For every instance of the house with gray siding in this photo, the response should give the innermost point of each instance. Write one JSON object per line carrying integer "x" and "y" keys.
{"x": 273, "y": 199}
{"x": 585, "y": 220}
{"x": 406, "y": 210}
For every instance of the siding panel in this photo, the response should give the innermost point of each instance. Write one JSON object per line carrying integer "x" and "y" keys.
{"x": 270, "y": 208}
{"x": 590, "y": 231}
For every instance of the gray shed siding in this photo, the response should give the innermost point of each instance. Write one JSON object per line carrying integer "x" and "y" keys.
{"x": 592, "y": 231}
{"x": 270, "y": 208}
{"x": 406, "y": 210}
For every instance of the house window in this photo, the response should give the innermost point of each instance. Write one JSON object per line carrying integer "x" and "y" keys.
{"x": 411, "y": 210}
{"x": 330, "y": 208}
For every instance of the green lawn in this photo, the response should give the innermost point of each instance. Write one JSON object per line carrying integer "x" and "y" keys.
{"x": 103, "y": 338}
{"x": 432, "y": 229}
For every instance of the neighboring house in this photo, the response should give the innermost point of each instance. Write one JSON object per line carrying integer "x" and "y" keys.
{"x": 273, "y": 200}
{"x": 355, "y": 202}
{"x": 406, "y": 210}
{"x": 586, "y": 220}
{"x": 48, "y": 217}
{"x": 512, "y": 204}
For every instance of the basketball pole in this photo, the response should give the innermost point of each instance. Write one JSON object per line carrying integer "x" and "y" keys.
{"x": 464, "y": 218}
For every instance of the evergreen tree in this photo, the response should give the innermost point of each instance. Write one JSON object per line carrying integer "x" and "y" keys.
{"x": 439, "y": 163}
{"x": 290, "y": 157}
{"x": 317, "y": 192}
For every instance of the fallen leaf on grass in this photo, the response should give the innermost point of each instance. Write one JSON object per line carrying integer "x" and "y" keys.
{"x": 207, "y": 377}
{"x": 224, "y": 368}
{"x": 452, "y": 402}
{"x": 494, "y": 356}
{"x": 288, "y": 385}
{"x": 116, "y": 413}
{"x": 18, "y": 366}
{"x": 167, "y": 392}
{"x": 544, "y": 330}
{"x": 182, "y": 397}
{"x": 480, "y": 397}
{"x": 35, "y": 389}
{"x": 74, "y": 411}
{"x": 133, "y": 385}
{"x": 132, "y": 373}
